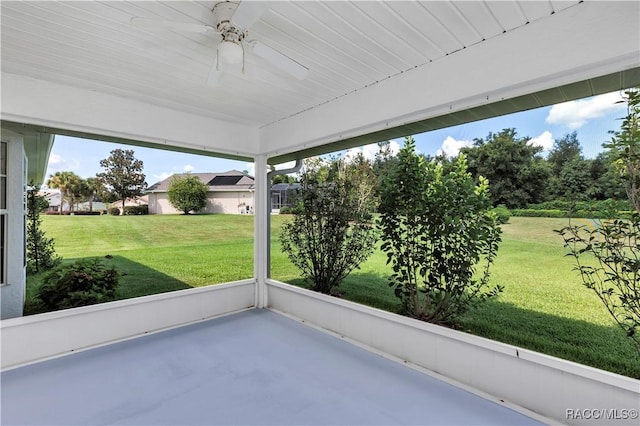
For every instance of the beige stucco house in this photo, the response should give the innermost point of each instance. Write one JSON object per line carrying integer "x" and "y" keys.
{"x": 230, "y": 192}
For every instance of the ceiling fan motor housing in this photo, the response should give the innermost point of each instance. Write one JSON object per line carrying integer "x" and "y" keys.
{"x": 222, "y": 13}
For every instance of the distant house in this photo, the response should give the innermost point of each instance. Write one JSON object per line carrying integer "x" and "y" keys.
{"x": 54, "y": 198}
{"x": 229, "y": 192}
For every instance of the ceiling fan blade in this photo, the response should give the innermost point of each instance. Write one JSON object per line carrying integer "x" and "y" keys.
{"x": 249, "y": 12}
{"x": 172, "y": 25}
{"x": 279, "y": 60}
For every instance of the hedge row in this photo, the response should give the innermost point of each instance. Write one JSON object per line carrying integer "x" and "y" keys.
{"x": 588, "y": 214}
{"x": 78, "y": 213}
{"x": 602, "y": 205}
{"x": 130, "y": 210}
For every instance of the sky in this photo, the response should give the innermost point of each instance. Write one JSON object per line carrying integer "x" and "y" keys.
{"x": 591, "y": 118}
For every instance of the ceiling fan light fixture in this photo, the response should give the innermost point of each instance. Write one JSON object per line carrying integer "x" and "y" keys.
{"x": 230, "y": 52}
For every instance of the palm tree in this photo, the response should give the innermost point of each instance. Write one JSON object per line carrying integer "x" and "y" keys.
{"x": 91, "y": 187}
{"x": 66, "y": 182}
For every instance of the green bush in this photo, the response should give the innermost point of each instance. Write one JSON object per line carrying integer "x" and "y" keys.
{"x": 502, "y": 213}
{"x": 440, "y": 237}
{"x": 114, "y": 211}
{"x": 332, "y": 234}
{"x": 84, "y": 282}
{"x": 136, "y": 210}
{"x": 187, "y": 193}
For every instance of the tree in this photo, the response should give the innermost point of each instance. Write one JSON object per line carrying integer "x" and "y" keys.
{"x": 615, "y": 275}
{"x": 40, "y": 249}
{"x": 67, "y": 183}
{"x": 91, "y": 188}
{"x": 360, "y": 171}
{"x": 574, "y": 181}
{"x": 333, "y": 233}
{"x": 436, "y": 229}
{"x": 517, "y": 174}
{"x": 606, "y": 183}
{"x": 187, "y": 193}
{"x": 564, "y": 150}
{"x": 123, "y": 174}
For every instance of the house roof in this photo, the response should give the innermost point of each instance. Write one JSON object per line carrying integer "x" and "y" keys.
{"x": 232, "y": 180}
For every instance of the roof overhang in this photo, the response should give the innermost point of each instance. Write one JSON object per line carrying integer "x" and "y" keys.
{"x": 582, "y": 49}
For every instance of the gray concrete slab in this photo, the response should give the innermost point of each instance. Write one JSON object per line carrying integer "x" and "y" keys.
{"x": 255, "y": 367}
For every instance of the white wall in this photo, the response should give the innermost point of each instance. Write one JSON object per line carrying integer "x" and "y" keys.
{"x": 232, "y": 202}
{"x": 13, "y": 293}
{"x": 32, "y": 338}
{"x": 228, "y": 202}
{"x": 543, "y": 384}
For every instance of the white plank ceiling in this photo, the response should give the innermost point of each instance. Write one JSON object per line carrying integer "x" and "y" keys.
{"x": 345, "y": 45}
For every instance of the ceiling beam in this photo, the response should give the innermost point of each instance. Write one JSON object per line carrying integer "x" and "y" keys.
{"x": 54, "y": 108}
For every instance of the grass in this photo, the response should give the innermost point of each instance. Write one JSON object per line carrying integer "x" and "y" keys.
{"x": 544, "y": 306}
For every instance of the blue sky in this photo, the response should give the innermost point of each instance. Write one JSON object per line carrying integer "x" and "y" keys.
{"x": 591, "y": 118}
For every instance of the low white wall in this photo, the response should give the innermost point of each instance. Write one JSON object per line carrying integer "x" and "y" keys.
{"x": 552, "y": 387}
{"x": 32, "y": 338}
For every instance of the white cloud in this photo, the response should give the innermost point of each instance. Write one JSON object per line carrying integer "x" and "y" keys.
{"x": 251, "y": 168}
{"x": 162, "y": 176}
{"x": 545, "y": 140}
{"x": 188, "y": 168}
{"x": 451, "y": 147}
{"x": 369, "y": 151}
{"x": 55, "y": 159}
{"x": 575, "y": 114}
{"x": 57, "y": 163}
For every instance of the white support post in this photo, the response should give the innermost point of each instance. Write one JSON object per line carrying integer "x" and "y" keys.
{"x": 261, "y": 232}
{"x": 13, "y": 284}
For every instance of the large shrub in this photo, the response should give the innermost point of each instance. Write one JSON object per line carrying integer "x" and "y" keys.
{"x": 84, "y": 282}
{"x": 331, "y": 234}
{"x": 436, "y": 229}
{"x": 187, "y": 194}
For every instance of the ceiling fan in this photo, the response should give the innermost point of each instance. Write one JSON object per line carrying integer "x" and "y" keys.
{"x": 232, "y": 21}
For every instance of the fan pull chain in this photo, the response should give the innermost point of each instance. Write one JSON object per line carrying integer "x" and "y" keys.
{"x": 243, "y": 53}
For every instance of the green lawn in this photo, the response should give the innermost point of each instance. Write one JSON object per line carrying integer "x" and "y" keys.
{"x": 544, "y": 306}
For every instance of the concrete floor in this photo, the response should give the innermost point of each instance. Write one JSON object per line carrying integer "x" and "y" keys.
{"x": 255, "y": 367}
